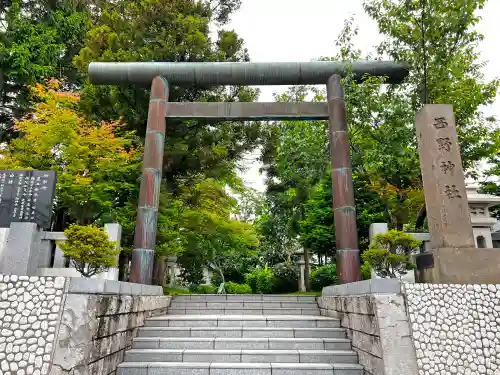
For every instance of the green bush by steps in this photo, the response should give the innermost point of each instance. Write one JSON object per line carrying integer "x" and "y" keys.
{"x": 286, "y": 278}
{"x": 261, "y": 280}
{"x": 323, "y": 276}
{"x": 235, "y": 288}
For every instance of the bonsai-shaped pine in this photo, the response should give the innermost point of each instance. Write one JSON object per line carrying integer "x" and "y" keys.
{"x": 389, "y": 254}
{"x": 89, "y": 249}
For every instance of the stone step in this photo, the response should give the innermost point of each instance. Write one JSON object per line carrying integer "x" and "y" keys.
{"x": 244, "y": 297}
{"x": 200, "y": 368}
{"x": 237, "y": 356}
{"x": 247, "y": 311}
{"x": 240, "y": 343}
{"x": 271, "y": 321}
{"x": 264, "y": 332}
{"x": 241, "y": 305}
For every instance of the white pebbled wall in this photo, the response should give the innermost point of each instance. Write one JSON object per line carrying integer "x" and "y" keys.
{"x": 68, "y": 326}
{"x": 30, "y": 310}
{"x": 425, "y": 329}
{"x": 455, "y": 328}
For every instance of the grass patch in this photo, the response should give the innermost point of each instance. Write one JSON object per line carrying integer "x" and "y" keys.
{"x": 305, "y": 293}
{"x": 174, "y": 291}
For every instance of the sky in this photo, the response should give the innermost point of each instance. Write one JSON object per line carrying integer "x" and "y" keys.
{"x": 276, "y": 30}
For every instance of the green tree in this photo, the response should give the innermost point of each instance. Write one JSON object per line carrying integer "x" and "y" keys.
{"x": 97, "y": 169}
{"x": 178, "y": 30}
{"x": 89, "y": 249}
{"x": 439, "y": 40}
{"x": 38, "y": 40}
{"x": 166, "y": 30}
{"x": 210, "y": 235}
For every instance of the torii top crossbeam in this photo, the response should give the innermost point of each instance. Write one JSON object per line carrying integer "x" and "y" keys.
{"x": 239, "y": 73}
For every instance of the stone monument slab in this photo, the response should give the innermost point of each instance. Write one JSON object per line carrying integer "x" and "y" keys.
{"x": 443, "y": 177}
{"x": 26, "y": 196}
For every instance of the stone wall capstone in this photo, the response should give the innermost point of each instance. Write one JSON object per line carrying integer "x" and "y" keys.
{"x": 30, "y": 309}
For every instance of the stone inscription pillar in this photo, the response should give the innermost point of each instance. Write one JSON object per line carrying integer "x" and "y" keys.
{"x": 147, "y": 213}
{"x": 443, "y": 178}
{"x": 344, "y": 211}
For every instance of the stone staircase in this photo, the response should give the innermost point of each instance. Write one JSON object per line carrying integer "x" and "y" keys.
{"x": 241, "y": 335}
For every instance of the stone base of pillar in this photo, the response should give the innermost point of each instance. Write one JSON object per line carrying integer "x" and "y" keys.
{"x": 453, "y": 265}
{"x": 20, "y": 256}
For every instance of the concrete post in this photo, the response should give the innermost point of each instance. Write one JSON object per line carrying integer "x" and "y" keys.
{"x": 44, "y": 253}
{"x": 114, "y": 232}
{"x": 377, "y": 228}
{"x": 59, "y": 259}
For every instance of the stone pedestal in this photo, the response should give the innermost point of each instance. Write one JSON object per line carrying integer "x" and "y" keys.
{"x": 454, "y": 265}
{"x": 20, "y": 256}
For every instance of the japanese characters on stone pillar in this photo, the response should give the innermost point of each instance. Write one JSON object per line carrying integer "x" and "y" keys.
{"x": 26, "y": 196}
{"x": 443, "y": 178}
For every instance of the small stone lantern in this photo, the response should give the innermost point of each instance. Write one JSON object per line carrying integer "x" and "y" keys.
{"x": 171, "y": 266}
{"x": 302, "y": 267}
{"x": 481, "y": 220}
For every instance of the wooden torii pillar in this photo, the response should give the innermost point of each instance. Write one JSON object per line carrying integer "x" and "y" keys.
{"x": 210, "y": 74}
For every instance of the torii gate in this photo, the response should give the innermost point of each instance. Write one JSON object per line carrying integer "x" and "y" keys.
{"x": 209, "y": 74}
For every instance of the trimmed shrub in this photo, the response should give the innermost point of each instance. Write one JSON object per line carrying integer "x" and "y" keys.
{"x": 89, "y": 250}
{"x": 286, "y": 278}
{"x": 389, "y": 254}
{"x": 234, "y": 288}
{"x": 261, "y": 280}
{"x": 323, "y": 276}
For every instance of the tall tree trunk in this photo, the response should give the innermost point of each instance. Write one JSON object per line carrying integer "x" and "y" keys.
{"x": 159, "y": 269}
{"x": 422, "y": 214}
